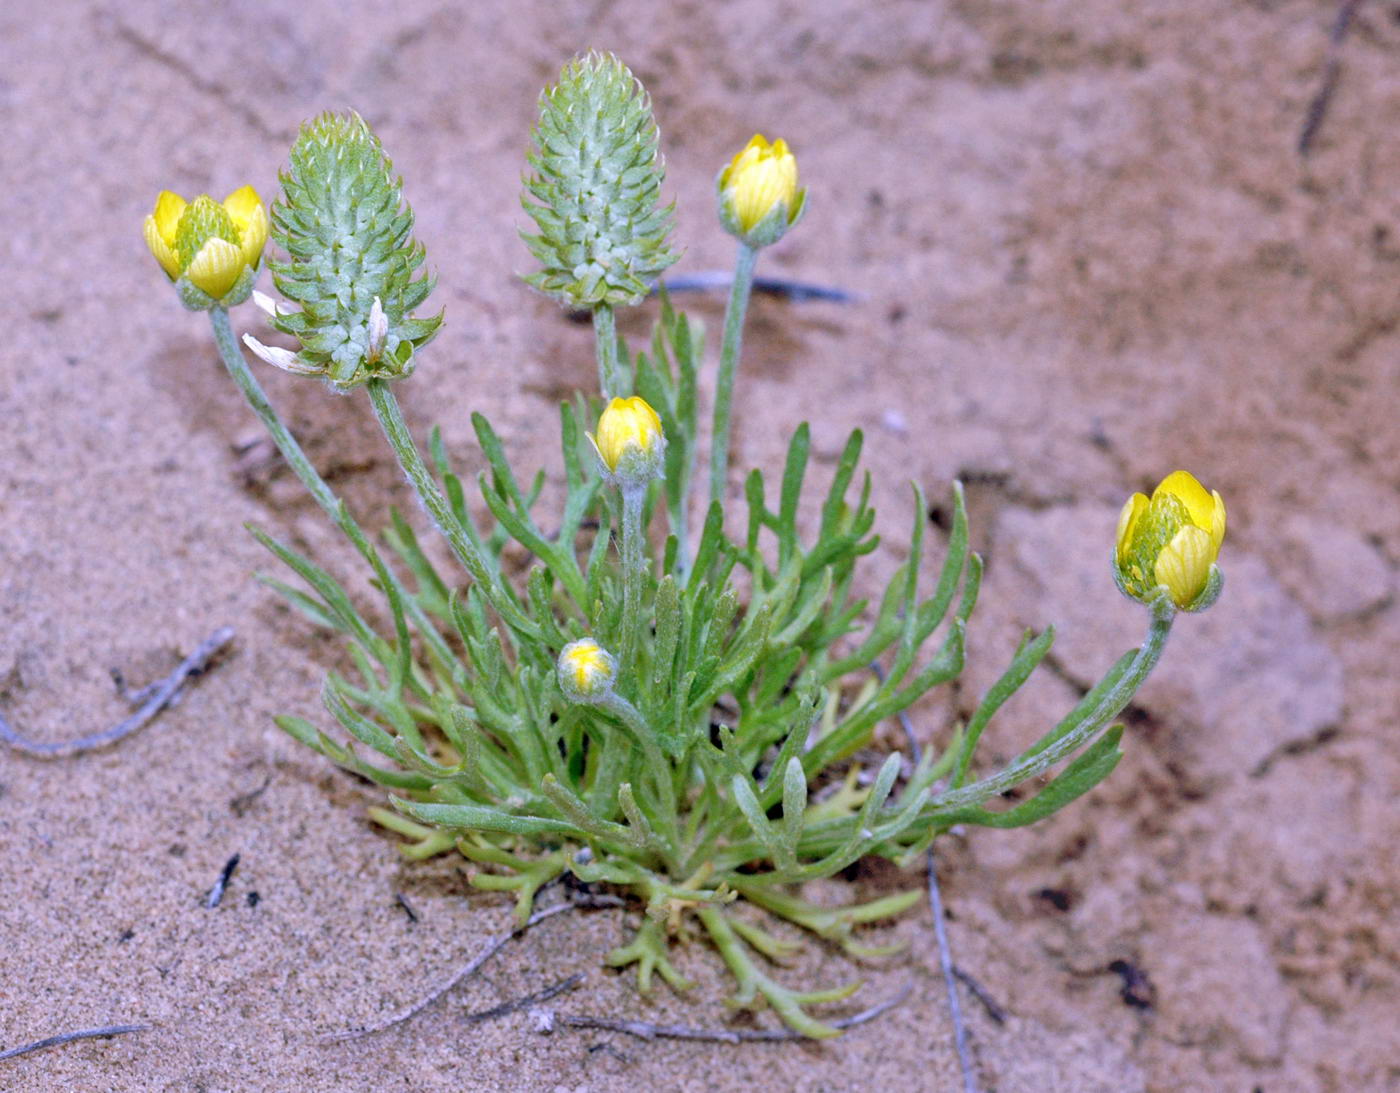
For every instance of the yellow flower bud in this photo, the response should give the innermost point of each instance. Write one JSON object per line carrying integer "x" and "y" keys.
{"x": 586, "y": 671}
{"x": 1171, "y": 541}
{"x": 758, "y": 194}
{"x": 211, "y": 250}
{"x": 630, "y": 441}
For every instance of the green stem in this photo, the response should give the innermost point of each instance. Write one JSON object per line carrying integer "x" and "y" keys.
{"x": 237, "y": 365}
{"x": 611, "y": 383}
{"x": 656, "y": 765}
{"x": 386, "y": 409}
{"x": 728, "y": 366}
{"x": 633, "y": 572}
{"x": 286, "y": 443}
{"x": 1039, "y": 759}
{"x": 753, "y": 982}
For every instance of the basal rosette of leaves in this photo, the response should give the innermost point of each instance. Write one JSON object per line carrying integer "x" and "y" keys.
{"x": 708, "y": 736}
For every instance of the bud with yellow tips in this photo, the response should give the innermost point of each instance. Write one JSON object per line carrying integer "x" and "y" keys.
{"x": 630, "y": 441}
{"x": 1171, "y": 542}
{"x": 759, "y": 199}
{"x": 211, "y": 250}
{"x": 586, "y": 671}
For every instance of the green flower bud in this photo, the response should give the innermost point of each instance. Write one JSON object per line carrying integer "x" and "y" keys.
{"x": 595, "y": 191}
{"x": 344, "y": 223}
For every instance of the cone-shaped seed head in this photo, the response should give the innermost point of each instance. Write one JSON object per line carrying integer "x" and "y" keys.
{"x": 343, "y": 221}
{"x": 596, "y": 186}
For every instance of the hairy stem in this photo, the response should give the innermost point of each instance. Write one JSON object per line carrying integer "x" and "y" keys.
{"x": 386, "y": 409}
{"x": 611, "y": 382}
{"x": 729, "y": 365}
{"x": 633, "y": 572}
{"x": 657, "y": 766}
{"x": 237, "y": 366}
{"x": 1038, "y": 759}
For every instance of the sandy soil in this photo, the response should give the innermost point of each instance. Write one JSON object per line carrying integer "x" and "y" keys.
{"x": 1089, "y": 252}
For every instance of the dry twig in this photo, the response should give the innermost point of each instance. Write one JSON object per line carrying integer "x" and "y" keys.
{"x": 979, "y": 992}
{"x": 474, "y": 965}
{"x": 1331, "y": 74}
{"x": 645, "y": 1030}
{"x": 940, "y": 931}
{"x": 69, "y": 1037}
{"x": 507, "y": 1008}
{"x": 216, "y": 894}
{"x": 161, "y": 696}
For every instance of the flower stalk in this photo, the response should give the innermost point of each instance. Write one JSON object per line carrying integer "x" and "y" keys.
{"x": 634, "y": 568}
{"x": 611, "y": 383}
{"x": 730, "y": 350}
{"x": 253, "y": 394}
{"x": 460, "y": 537}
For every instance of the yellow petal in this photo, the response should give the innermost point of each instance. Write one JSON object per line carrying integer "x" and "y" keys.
{"x": 626, "y": 424}
{"x": 164, "y": 254}
{"x": 254, "y": 235}
{"x": 169, "y": 208}
{"x": 750, "y": 152}
{"x": 216, "y": 267}
{"x": 1133, "y": 508}
{"x": 1184, "y": 564}
{"x": 760, "y": 177}
{"x": 1217, "y": 521}
{"x": 246, "y": 211}
{"x": 1200, "y": 505}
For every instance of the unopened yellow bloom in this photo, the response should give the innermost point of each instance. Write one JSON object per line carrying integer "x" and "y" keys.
{"x": 1171, "y": 541}
{"x": 586, "y": 671}
{"x": 630, "y": 440}
{"x": 213, "y": 248}
{"x": 758, "y": 193}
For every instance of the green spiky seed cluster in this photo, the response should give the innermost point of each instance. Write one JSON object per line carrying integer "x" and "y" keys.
{"x": 203, "y": 220}
{"x": 596, "y": 187}
{"x": 1165, "y": 516}
{"x": 344, "y": 223}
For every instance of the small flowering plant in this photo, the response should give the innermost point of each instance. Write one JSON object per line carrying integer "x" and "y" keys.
{"x": 687, "y": 714}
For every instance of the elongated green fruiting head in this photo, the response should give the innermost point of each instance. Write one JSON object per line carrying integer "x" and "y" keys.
{"x": 353, "y": 265}
{"x": 596, "y": 187}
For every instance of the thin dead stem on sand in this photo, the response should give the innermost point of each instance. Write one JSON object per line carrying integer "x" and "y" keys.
{"x": 945, "y": 951}
{"x": 160, "y": 695}
{"x": 645, "y": 1030}
{"x": 70, "y": 1037}
{"x": 574, "y": 903}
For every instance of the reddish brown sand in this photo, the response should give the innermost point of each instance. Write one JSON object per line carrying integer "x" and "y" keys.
{"x": 1089, "y": 252}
